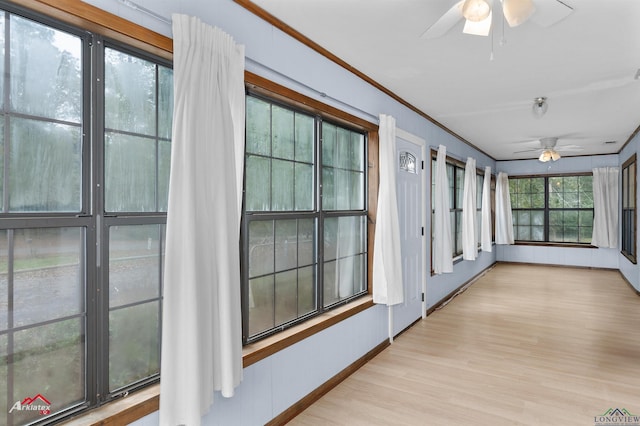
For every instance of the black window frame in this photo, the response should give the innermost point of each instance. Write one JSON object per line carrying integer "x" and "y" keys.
{"x": 318, "y": 214}
{"x": 547, "y": 211}
{"x": 91, "y": 218}
{"x": 629, "y": 210}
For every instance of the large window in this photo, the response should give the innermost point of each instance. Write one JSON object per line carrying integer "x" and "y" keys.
{"x": 84, "y": 162}
{"x": 557, "y": 209}
{"x": 629, "y": 208}
{"x": 305, "y": 220}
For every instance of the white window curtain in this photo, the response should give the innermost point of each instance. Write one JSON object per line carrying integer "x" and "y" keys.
{"x": 469, "y": 212}
{"x": 201, "y": 326}
{"x": 504, "y": 219}
{"x": 485, "y": 239}
{"x": 605, "y": 207}
{"x": 387, "y": 262}
{"x": 442, "y": 249}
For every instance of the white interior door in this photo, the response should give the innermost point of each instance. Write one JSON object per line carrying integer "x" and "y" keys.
{"x": 411, "y": 214}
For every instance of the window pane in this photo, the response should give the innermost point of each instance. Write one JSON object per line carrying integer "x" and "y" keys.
{"x": 537, "y": 218}
{"x": 632, "y": 185}
{"x": 524, "y": 232}
{"x": 48, "y": 360}
{"x": 4, "y": 397}
{"x": 282, "y": 185}
{"x": 343, "y": 236}
{"x": 286, "y": 245}
{"x": 555, "y": 218}
{"x": 258, "y": 126}
{"x": 555, "y": 200}
{"x": 46, "y": 71}
{"x": 306, "y": 242}
{"x": 286, "y": 297}
{"x": 130, "y": 173}
{"x": 356, "y": 153}
{"x": 571, "y": 200}
{"x": 328, "y": 189}
{"x": 258, "y": 184}
{"x": 165, "y": 102}
{"x": 45, "y": 167}
{"x": 129, "y": 93}
{"x": 261, "y": 249}
{"x": 556, "y": 234}
{"x": 329, "y": 137}
{"x": 305, "y": 134}
{"x": 459, "y": 187}
{"x": 164, "y": 166}
{"x": 282, "y": 132}
{"x": 261, "y": 304}
{"x": 537, "y": 233}
{"x": 134, "y": 264}
{"x": 306, "y": 291}
{"x": 524, "y": 218}
{"x": 134, "y": 352}
{"x": 304, "y": 186}
{"x": 48, "y": 279}
{"x": 341, "y": 189}
{"x": 343, "y": 278}
{"x": 357, "y": 191}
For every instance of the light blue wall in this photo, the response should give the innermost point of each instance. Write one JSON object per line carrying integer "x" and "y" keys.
{"x": 594, "y": 257}
{"x": 275, "y": 383}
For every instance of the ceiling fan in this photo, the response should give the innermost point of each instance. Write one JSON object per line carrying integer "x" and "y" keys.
{"x": 549, "y": 150}
{"x": 478, "y": 15}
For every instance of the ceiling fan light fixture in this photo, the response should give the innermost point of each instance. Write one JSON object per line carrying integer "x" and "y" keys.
{"x": 545, "y": 156}
{"x": 517, "y": 11}
{"x": 476, "y": 10}
{"x": 554, "y": 155}
{"x": 540, "y": 106}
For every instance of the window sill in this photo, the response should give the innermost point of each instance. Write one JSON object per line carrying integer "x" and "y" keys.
{"x": 146, "y": 401}
{"x": 551, "y": 244}
{"x": 266, "y": 347}
{"x": 123, "y": 410}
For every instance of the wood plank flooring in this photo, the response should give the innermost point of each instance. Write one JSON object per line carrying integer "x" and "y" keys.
{"x": 524, "y": 345}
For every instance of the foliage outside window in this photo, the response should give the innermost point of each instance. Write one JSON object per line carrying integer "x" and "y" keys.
{"x": 629, "y": 208}
{"x": 305, "y": 227}
{"x": 83, "y": 188}
{"x": 556, "y": 209}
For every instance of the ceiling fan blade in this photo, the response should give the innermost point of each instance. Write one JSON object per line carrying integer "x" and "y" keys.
{"x": 550, "y": 12}
{"x": 481, "y": 28}
{"x": 445, "y": 23}
{"x": 517, "y": 11}
{"x": 527, "y": 150}
{"x": 569, "y": 148}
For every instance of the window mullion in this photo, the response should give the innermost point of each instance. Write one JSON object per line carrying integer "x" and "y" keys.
{"x": 319, "y": 246}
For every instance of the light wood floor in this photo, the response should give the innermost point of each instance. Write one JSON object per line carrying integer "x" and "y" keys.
{"x": 524, "y": 345}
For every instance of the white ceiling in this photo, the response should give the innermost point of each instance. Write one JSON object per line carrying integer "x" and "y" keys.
{"x": 584, "y": 64}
